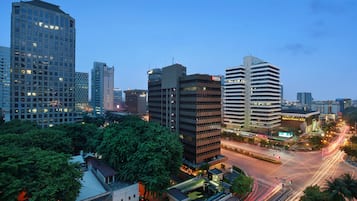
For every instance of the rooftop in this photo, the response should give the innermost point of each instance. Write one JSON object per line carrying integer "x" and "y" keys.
{"x": 91, "y": 187}
{"x": 45, "y": 5}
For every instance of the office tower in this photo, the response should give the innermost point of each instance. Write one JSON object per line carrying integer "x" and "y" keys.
{"x": 191, "y": 106}
{"x": 117, "y": 99}
{"x": 344, "y": 103}
{"x": 5, "y": 83}
{"x": 81, "y": 92}
{"x": 102, "y": 88}
{"x": 252, "y": 96}
{"x": 304, "y": 98}
{"x": 136, "y": 101}
{"x": 42, "y": 63}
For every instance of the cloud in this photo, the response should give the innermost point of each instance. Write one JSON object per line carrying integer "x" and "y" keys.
{"x": 297, "y": 49}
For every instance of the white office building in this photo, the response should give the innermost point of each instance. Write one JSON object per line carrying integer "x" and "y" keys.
{"x": 252, "y": 95}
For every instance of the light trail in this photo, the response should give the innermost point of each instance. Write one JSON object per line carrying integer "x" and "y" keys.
{"x": 329, "y": 165}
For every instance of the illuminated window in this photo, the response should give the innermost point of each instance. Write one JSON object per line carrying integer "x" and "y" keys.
{"x": 34, "y": 44}
{"x": 28, "y": 72}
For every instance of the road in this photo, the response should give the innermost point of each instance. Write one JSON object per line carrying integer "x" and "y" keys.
{"x": 300, "y": 168}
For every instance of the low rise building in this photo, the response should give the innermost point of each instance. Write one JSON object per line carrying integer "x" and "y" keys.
{"x": 305, "y": 121}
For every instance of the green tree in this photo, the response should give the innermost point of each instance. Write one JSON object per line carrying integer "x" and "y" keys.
{"x": 46, "y": 139}
{"x": 242, "y": 185}
{"x": 17, "y": 127}
{"x": 337, "y": 190}
{"x": 82, "y": 136}
{"x": 313, "y": 193}
{"x": 350, "y": 183}
{"x": 43, "y": 175}
{"x": 142, "y": 151}
{"x": 316, "y": 141}
{"x": 350, "y": 115}
{"x": 98, "y": 121}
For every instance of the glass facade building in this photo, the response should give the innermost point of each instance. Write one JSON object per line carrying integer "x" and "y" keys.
{"x": 102, "y": 88}
{"x": 42, "y": 63}
{"x": 5, "y": 83}
{"x": 81, "y": 92}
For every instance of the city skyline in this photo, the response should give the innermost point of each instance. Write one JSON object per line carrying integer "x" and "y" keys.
{"x": 311, "y": 41}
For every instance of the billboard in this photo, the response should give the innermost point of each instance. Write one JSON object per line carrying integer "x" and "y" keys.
{"x": 285, "y": 134}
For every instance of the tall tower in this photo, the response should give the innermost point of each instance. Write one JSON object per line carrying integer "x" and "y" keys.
{"x": 42, "y": 63}
{"x": 304, "y": 98}
{"x": 252, "y": 98}
{"x": 82, "y": 85}
{"x": 5, "y": 83}
{"x": 191, "y": 106}
{"x": 102, "y": 88}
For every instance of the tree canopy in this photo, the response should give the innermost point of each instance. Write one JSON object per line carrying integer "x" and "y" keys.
{"x": 34, "y": 163}
{"x": 242, "y": 185}
{"x": 339, "y": 189}
{"x": 350, "y": 115}
{"x": 142, "y": 151}
{"x": 37, "y": 173}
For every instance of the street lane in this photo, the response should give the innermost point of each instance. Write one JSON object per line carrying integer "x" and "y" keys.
{"x": 300, "y": 168}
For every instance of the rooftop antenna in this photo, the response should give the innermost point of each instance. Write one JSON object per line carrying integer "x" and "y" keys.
{"x": 173, "y": 60}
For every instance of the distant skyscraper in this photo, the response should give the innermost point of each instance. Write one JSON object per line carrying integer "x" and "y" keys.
{"x": 102, "y": 88}
{"x": 118, "y": 99}
{"x": 42, "y": 63}
{"x": 344, "y": 103}
{"x": 191, "y": 106}
{"x": 252, "y": 95}
{"x": 136, "y": 101}
{"x": 304, "y": 98}
{"x": 5, "y": 83}
{"x": 81, "y": 91}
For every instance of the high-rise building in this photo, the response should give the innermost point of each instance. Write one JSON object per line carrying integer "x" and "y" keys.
{"x": 102, "y": 88}
{"x": 344, "y": 103}
{"x": 191, "y": 106}
{"x": 252, "y": 97}
{"x": 5, "y": 83}
{"x": 81, "y": 91}
{"x": 117, "y": 99}
{"x": 304, "y": 98}
{"x": 42, "y": 63}
{"x": 135, "y": 100}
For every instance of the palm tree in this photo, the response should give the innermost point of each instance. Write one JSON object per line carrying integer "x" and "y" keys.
{"x": 351, "y": 184}
{"x": 337, "y": 190}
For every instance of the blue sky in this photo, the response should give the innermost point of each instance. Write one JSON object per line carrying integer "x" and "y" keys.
{"x": 314, "y": 42}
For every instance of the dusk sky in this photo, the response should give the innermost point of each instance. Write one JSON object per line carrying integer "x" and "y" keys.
{"x": 314, "y": 42}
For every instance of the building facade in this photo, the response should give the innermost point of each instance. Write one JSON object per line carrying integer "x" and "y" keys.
{"x": 191, "y": 106}
{"x": 304, "y": 98}
{"x": 136, "y": 101}
{"x": 81, "y": 89}
{"x": 5, "y": 83}
{"x": 42, "y": 63}
{"x": 326, "y": 107}
{"x": 344, "y": 103}
{"x": 102, "y": 88}
{"x": 117, "y": 99}
{"x": 252, "y": 96}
